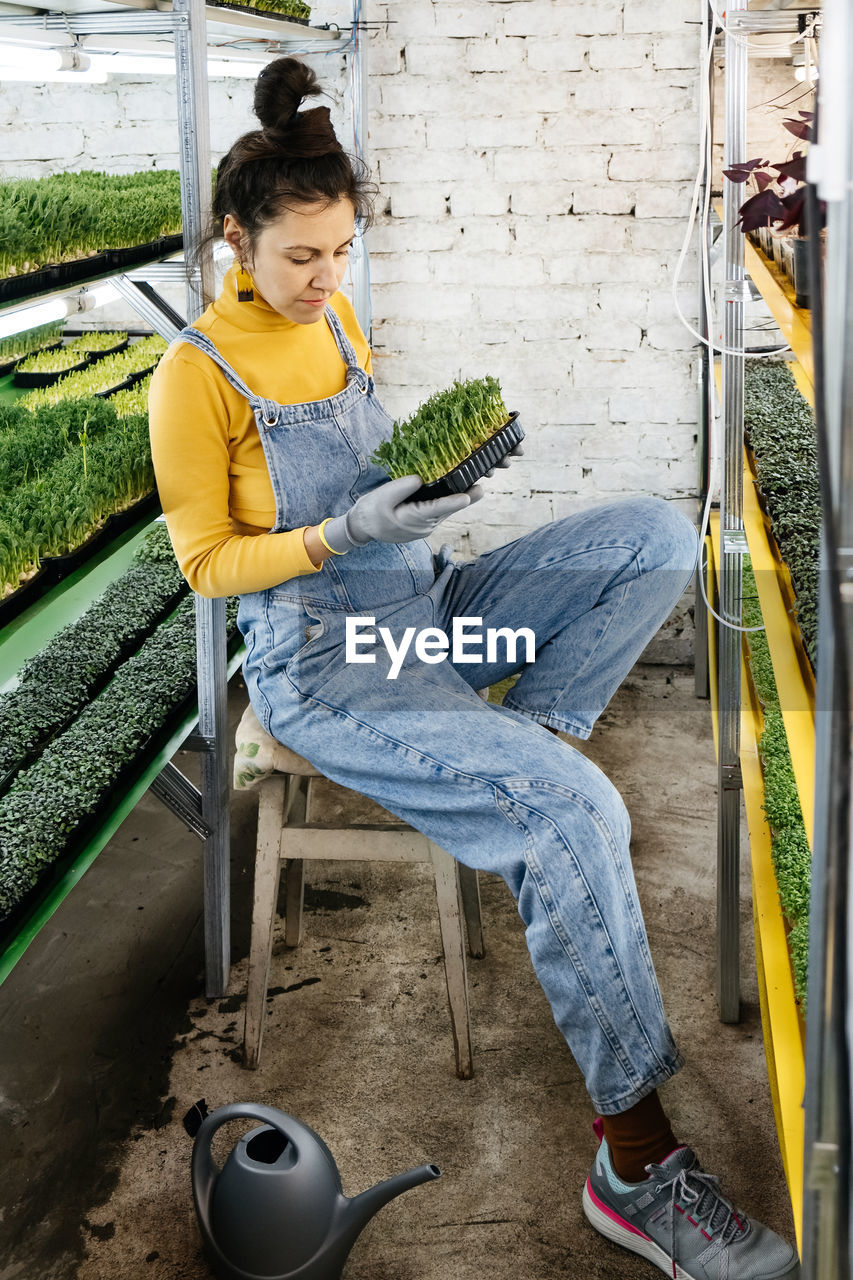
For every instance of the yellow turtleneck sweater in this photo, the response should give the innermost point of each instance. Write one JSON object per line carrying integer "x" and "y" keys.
{"x": 211, "y": 472}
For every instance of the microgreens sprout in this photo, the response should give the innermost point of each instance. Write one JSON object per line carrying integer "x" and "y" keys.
{"x": 102, "y": 376}
{"x": 132, "y": 400}
{"x": 69, "y": 216}
{"x": 22, "y": 344}
{"x": 62, "y": 359}
{"x": 444, "y": 430}
{"x": 98, "y": 340}
{"x": 67, "y": 467}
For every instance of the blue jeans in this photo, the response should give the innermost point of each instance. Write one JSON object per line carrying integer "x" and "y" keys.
{"x": 487, "y": 782}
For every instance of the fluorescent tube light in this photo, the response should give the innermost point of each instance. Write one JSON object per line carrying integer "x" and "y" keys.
{"x": 70, "y": 63}
{"x": 92, "y": 76}
{"x": 234, "y": 68}
{"x": 85, "y": 299}
{"x": 20, "y": 62}
{"x": 131, "y": 64}
{"x": 31, "y": 317}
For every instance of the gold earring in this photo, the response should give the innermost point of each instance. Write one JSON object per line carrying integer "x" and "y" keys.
{"x": 245, "y": 286}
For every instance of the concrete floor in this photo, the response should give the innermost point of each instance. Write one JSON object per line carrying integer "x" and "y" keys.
{"x": 106, "y": 1041}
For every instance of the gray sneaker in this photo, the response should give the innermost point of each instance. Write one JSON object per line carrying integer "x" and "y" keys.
{"x": 679, "y": 1221}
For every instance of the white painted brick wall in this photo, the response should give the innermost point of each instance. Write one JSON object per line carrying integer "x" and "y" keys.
{"x": 576, "y": 125}
{"x": 535, "y": 161}
{"x": 126, "y": 125}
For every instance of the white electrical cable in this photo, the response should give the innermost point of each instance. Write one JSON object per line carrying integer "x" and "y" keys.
{"x": 705, "y": 108}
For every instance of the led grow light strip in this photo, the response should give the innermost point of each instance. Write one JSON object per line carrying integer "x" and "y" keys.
{"x": 44, "y": 313}
{"x": 71, "y": 64}
{"x": 19, "y": 319}
{"x": 19, "y": 62}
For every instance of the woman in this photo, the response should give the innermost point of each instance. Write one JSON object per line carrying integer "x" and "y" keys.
{"x": 263, "y": 420}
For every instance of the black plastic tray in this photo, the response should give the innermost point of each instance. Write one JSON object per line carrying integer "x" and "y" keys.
{"x": 133, "y": 378}
{"x": 31, "y": 283}
{"x": 94, "y": 356}
{"x": 38, "y": 380}
{"x": 475, "y": 466}
{"x": 6, "y": 366}
{"x": 106, "y": 392}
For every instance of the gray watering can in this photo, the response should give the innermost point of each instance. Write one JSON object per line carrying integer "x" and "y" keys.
{"x": 276, "y": 1211}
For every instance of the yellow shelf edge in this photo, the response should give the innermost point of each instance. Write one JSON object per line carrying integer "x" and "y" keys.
{"x": 796, "y": 697}
{"x": 791, "y": 319}
{"x": 782, "y": 1035}
{"x": 804, "y": 385}
{"x": 783, "y": 1045}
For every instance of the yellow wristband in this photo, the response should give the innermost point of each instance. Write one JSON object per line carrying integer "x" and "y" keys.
{"x": 320, "y": 529}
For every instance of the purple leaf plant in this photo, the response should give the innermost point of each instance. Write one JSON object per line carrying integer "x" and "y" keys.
{"x": 780, "y": 197}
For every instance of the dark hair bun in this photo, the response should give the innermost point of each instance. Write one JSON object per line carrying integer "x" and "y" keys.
{"x": 293, "y": 160}
{"x": 280, "y": 90}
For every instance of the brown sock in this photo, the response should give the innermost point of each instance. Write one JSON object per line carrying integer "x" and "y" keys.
{"x": 637, "y": 1137}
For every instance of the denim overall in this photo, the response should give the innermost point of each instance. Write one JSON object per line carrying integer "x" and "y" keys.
{"x": 485, "y": 782}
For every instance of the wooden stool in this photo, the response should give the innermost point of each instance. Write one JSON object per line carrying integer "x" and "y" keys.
{"x": 291, "y": 829}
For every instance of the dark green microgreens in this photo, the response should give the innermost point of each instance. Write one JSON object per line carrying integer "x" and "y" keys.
{"x": 788, "y": 841}
{"x": 76, "y": 776}
{"x": 798, "y": 943}
{"x": 59, "y": 680}
{"x": 444, "y": 430}
{"x": 780, "y": 430}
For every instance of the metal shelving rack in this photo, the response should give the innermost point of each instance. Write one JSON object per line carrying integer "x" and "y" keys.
{"x": 206, "y": 812}
{"x": 740, "y": 21}
{"x": 827, "y": 1203}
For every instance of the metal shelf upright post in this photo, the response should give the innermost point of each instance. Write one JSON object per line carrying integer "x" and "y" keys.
{"x": 211, "y": 642}
{"x": 828, "y": 1155}
{"x": 705, "y": 398}
{"x": 732, "y": 541}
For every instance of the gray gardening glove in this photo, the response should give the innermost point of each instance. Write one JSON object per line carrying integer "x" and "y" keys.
{"x": 384, "y": 515}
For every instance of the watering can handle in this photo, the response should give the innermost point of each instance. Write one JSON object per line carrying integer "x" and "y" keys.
{"x": 204, "y": 1170}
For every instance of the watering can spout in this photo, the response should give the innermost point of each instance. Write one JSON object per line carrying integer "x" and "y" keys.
{"x": 361, "y": 1209}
